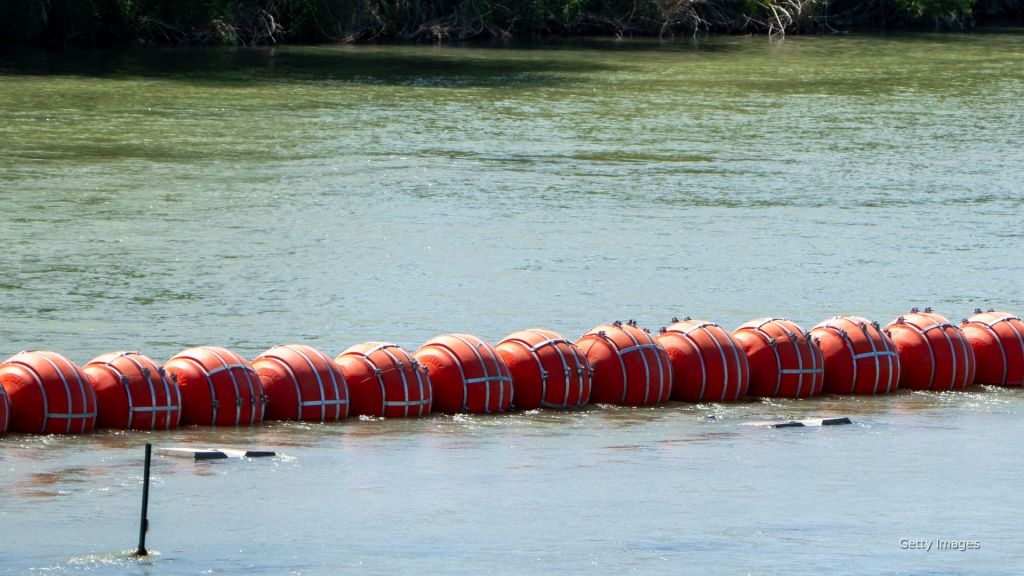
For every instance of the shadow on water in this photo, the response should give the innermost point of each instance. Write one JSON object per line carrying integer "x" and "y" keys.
{"x": 397, "y": 65}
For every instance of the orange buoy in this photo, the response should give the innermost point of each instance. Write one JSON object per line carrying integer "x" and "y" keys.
{"x": 48, "y": 394}
{"x": 547, "y": 370}
{"x": 934, "y": 355}
{"x": 630, "y": 367}
{"x": 218, "y": 387}
{"x": 133, "y": 392}
{"x": 707, "y": 364}
{"x": 302, "y": 383}
{"x": 385, "y": 380}
{"x": 468, "y": 375}
{"x": 784, "y": 361}
{"x": 998, "y": 342}
{"x": 859, "y": 357}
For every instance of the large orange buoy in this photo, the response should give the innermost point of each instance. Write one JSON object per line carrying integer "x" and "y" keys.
{"x": 48, "y": 394}
{"x": 302, "y": 383}
{"x": 934, "y": 355}
{"x": 547, "y": 370}
{"x": 133, "y": 392}
{"x": 218, "y": 387}
{"x": 784, "y": 361}
{"x": 630, "y": 367}
{"x": 468, "y": 375}
{"x": 859, "y": 357}
{"x": 998, "y": 342}
{"x": 707, "y": 364}
{"x": 385, "y": 380}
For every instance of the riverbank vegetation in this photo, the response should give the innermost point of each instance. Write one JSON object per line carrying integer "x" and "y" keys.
{"x": 254, "y": 22}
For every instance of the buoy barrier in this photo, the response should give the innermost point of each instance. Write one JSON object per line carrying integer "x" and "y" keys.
{"x": 218, "y": 387}
{"x": 548, "y": 371}
{"x": 859, "y": 357}
{"x": 385, "y": 380}
{"x": 934, "y": 354}
{"x": 133, "y": 392}
{"x": 630, "y": 367}
{"x": 998, "y": 342}
{"x": 302, "y": 383}
{"x": 48, "y": 394}
{"x": 691, "y": 360}
{"x": 468, "y": 375}
{"x": 707, "y": 364}
{"x": 784, "y": 360}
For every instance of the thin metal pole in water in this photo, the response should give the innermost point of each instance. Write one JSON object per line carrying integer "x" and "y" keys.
{"x": 144, "y": 524}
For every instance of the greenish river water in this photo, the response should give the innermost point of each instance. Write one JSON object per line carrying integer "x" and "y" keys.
{"x": 157, "y": 199}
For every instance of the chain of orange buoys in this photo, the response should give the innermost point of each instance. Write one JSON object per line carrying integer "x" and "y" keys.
{"x": 690, "y": 360}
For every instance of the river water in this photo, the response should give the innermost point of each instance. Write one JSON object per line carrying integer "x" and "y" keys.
{"x": 157, "y": 199}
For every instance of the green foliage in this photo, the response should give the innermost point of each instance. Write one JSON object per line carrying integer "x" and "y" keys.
{"x": 22, "y": 20}
{"x": 943, "y": 9}
{"x": 273, "y": 21}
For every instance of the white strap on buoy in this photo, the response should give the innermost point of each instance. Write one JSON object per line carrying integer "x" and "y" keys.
{"x": 740, "y": 359}
{"x": 145, "y": 373}
{"x": 323, "y": 402}
{"x": 941, "y": 326}
{"x": 85, "y": 390}
{"x": 567, "y": 370}
{"x": 799, "y": 371}
{"x": 487, "y": 378}
{"x": 226, "y": 366}
{"x": 405, "y": 382}
{"x": 338, "y": 400}
{"x": 706, "y": 328}
{"x": 649, "y": 345}
{"x": 700, "y": 357}
{"x": 423, "y": 401}
{"x": 990, "y": 326}
{"x": 770, "y": 340}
